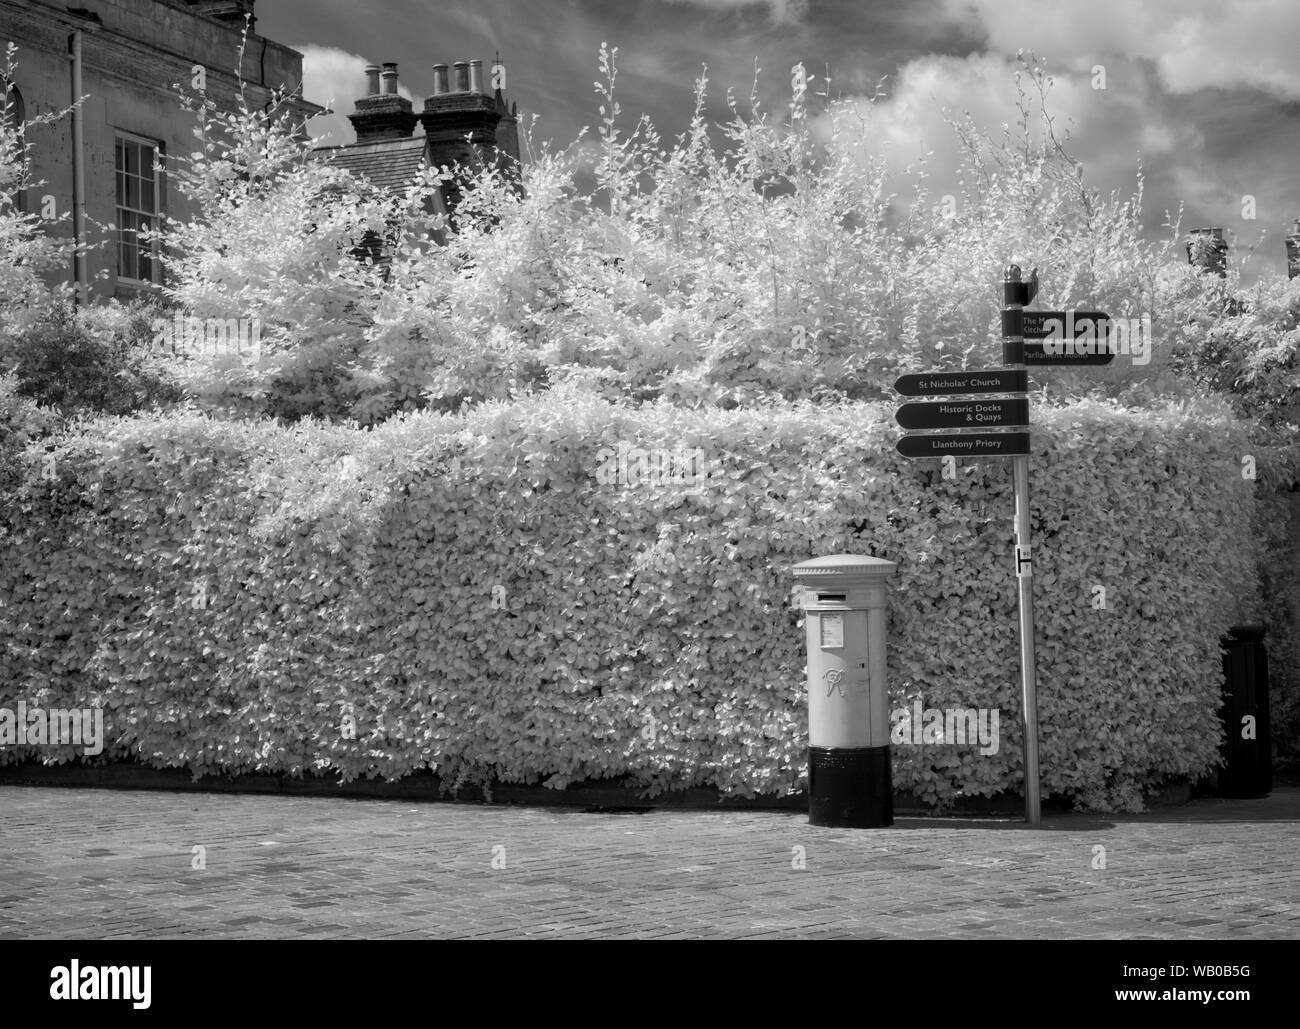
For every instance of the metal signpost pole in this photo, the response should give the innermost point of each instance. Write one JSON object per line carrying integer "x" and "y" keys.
{"x": 1015, "y": 295}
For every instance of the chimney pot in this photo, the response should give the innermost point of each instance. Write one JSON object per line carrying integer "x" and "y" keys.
{"x": 372, "y": 79}
{"x": 439, "y": 79}
{"x": 390, "y": 77}
{"x": 476, "y": 76}
{"x": 462, "y": 77}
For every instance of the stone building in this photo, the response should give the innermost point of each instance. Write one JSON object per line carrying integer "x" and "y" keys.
{"x": 132, "y": 52}
{"x": 462, "y": 122}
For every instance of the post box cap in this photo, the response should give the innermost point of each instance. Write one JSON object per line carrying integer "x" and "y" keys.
{"x": 835, "y": 568}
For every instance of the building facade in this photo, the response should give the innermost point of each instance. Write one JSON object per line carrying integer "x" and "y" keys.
{"x": 133, "y": 55}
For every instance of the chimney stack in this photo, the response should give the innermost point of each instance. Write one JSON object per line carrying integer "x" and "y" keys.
{"x": 468, "y": 122}
{"x": 1293, "y": 251}
{"x": 1207, "y": 250}
{"x": 380, "y": 116}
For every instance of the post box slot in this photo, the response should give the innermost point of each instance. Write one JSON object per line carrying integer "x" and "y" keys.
{"x": 823, "y": 598}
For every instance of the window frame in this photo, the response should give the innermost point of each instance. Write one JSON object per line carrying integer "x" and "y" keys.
{"x": 155, "y": 216}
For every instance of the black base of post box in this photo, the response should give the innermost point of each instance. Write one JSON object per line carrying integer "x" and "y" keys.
{"x": 850, "y": 787}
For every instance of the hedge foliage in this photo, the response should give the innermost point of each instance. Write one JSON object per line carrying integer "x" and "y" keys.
{"x": 233, "y": 593}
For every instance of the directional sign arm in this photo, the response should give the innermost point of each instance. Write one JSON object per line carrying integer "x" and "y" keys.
{"x": 960, "y": 383}
{"x": 964, "y": 414}
{"x": 1072, "y": 337}
{"x": 967, "y": 444}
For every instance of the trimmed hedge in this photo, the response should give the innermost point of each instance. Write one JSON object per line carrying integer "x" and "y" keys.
{"x": 236, "y": 595}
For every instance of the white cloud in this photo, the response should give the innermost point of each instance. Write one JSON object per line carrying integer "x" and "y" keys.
{"x": 911, "y": 119}
{"x": 335, "y": 79}
{"x": 781, "y": 12}
{"x": 1194, "y": 44}
{"x": 1109, "y": 131}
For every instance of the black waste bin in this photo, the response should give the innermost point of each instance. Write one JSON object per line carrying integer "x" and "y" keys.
{"x": 1247, "y": 751}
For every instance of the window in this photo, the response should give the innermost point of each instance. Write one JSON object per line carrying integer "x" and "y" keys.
{"x": 138, "y": 208}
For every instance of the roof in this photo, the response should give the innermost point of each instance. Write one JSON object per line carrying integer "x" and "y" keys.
{"x": 391, "y": 164}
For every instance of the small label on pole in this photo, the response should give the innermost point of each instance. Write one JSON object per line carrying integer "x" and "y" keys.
{"x": 832, "y": 631}
{"x": 1024, "y": 563}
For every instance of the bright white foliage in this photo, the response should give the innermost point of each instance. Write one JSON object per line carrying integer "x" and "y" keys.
{"x": 763, "y": 257}
{"x": 27, "y": 251}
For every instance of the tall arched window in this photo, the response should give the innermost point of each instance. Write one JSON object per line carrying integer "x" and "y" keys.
{"x": 14, "y": 115}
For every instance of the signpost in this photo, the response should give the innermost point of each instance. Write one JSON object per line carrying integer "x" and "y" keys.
{"x": 965, "y": 444}
{"x": 1055, "y": 324}
{"x": 964, "y": 414}
{"x": 1072, "y": 353}
{"x": 942, "y": 384}
{"x": 1056, "y": 338}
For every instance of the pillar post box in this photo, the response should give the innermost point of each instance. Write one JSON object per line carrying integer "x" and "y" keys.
{"x": 845, "y": 604}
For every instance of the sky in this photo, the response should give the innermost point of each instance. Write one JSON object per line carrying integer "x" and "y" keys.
{"x": 1203, "y": 96}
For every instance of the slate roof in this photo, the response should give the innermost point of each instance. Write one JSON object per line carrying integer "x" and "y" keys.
{"x": 391, "y": 164}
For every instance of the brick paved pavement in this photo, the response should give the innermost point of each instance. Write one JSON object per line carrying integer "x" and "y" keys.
{"x": 117, "y": 864}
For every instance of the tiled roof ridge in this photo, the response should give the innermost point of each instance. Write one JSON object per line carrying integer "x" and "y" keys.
{"x": 407, "y": 143}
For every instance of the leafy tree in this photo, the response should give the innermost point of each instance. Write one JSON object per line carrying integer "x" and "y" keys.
{"x": 764, "y": 257}
{"x": 272, "y": 237}
{"x": 27, "y": 252}
{"x": 770, "y": 261}
{"x": 1245, "y": 343}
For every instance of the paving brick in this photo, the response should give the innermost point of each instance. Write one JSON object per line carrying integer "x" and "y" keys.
{"x": 107, "y": 863}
